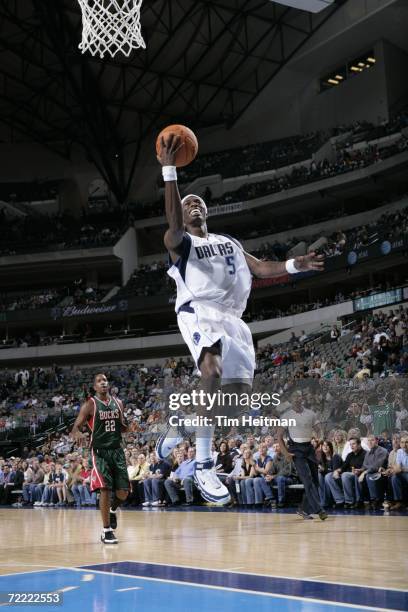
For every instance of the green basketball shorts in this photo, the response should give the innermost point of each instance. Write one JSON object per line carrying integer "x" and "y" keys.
{"x": 109, "y": 470}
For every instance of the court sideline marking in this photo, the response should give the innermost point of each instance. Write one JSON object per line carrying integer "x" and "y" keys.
{"x": 305, "y": 579}
{"x": 232, "y": 571}
{"x": 235, "y": 590}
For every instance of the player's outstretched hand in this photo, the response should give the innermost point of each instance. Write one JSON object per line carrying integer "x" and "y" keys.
{"x": 311, "y": 261}
{"x": 168, "y": 150}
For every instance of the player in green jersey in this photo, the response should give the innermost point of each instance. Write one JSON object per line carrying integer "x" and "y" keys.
{"x": 103, "y": 414}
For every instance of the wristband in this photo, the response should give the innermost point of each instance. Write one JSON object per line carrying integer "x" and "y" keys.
{"x": 290, "y": 266}
{"x": 169, "y": 173}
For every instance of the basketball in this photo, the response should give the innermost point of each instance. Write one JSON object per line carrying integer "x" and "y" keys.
{"x": 186, "y": 153}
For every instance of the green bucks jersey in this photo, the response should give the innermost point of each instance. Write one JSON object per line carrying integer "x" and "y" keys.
{"x": 106, "y": 423}
{"x": 383, "y": 418}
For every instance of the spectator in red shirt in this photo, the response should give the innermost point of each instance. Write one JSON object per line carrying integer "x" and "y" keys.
{"x": 81, "y": 490}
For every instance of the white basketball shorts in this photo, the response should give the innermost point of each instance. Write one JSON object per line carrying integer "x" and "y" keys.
{"x": 202, "y": 324}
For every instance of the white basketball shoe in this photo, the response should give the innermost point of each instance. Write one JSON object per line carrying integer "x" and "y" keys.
{"x": 169, "y": 440}
{"x": 208, "y": 483}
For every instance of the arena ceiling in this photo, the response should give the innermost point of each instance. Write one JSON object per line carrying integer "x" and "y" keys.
{"x": 206, "y": 61}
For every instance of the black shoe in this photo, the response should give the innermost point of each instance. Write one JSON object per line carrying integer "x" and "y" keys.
{"x": 304, "y": 515}
{"x": 113, "y": 521}
{"x": 108, "y": 537}
{"x": 348, "y": 506}
{"x": 323, "y": 515}
{"x": 268, "y": 503}
{"x": 339, "y": 506}
{"x": 188, "y": 503}
{"x": 359, "y": 505}
{"x": 281, "y": 505}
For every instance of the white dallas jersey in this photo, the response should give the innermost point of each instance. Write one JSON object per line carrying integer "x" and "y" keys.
{"x": 212, "y": 269}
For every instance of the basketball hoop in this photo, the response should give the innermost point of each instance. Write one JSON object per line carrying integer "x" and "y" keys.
{"x": 109, "y": 26}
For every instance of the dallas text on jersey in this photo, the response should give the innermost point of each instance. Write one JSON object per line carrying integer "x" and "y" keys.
{"x": 212, "y": 250}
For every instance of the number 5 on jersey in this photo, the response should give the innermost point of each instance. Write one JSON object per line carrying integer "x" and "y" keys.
{"x": 230, "y": 263}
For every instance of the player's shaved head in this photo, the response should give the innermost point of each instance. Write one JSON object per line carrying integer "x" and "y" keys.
{"x": 192, "y": 196}
{"x": 195, "y": 214}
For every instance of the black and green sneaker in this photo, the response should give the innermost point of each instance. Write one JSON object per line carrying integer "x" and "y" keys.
{"x": 108, "y": 537}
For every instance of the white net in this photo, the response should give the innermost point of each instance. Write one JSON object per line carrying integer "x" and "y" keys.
{"x": 109, "y": 26}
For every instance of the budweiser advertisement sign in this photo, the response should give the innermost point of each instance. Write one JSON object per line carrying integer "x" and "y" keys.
{"x": 88, "y": 309}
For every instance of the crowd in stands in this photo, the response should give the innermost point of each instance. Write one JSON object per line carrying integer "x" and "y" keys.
{"x": 97, "y": 230}
{"x": 258, "y": 157}
{"x": 388, "y": 226}
{"x": 271, "y": 312}
{"x": 252, "y": 467}
{"x": 61, "y": 231}
{"x": 147, "y": 279}
{"x": 75, "y": 294}
{"x": 346, "y": 161}
{"x": 305, "y": 218}
{"x": 31, "y": 399}
{"x": 355, "y": 382}
{"x": 378, "y": 347}
{"x": 264, "y": 156}
{"x": 86, "y": 332}
{"x": 44, "y": 298}
{"x": 301, "y": 174}
{"x": 354, "y": 473}
{"x": 151, "y": 279}
{"x": 365, "y": 131}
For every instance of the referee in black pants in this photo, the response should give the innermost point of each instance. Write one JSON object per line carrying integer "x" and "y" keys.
{"x": 300, "y": 450}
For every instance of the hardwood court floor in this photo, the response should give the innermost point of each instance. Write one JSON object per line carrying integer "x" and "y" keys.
{"x": 354, "y": 549}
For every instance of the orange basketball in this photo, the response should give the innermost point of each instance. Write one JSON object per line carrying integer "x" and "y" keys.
{"x": 186, "y": 153}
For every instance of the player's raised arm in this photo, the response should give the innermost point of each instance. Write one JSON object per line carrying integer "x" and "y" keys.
{"x": 85, "y": 412}
{"x": 174, "y": 211}
{"x": 267, "y": 269}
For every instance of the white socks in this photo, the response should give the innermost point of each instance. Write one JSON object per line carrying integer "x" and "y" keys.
{"x": 204, "y": 437}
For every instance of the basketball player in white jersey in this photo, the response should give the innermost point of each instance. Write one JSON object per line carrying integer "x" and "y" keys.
{"x": 213, "y": 275}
